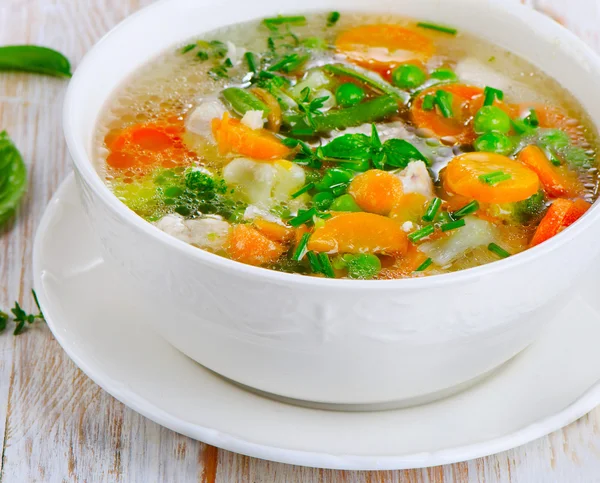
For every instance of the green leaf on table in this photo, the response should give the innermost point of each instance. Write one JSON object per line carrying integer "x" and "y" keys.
{"x": 13, "y": 177}
{"x": 32, "y": 58}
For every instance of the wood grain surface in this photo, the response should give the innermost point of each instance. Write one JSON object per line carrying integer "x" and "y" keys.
{"x": 56, "y": 425}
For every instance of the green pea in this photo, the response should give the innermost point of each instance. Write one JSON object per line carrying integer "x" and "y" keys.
{"x": 344, "y": 203}
{"x": 349, "y": 94}
{"x": 334, "y": 177}
{"x": 494, "y": 142}
{"x": 173, "y": 191}
{"x": 444, "y": 75}
{"x": 491, "y": 119}
{"x": 322, "y": 200}
{"x": 408, "y": 76}
{"x": 363, "y": 266}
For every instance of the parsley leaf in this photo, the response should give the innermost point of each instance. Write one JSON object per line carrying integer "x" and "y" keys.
{"x": 21, "y": 317}
{"x": 400, "y": 152}
{"x": 353, "y": 147}
{"x": 310, "y": 108}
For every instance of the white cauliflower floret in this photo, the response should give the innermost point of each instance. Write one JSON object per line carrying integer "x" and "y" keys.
{"x": 200, "y": 119}
{"x": 254, "y": 119}
{"x": 207, "y": 233}
{"x": 264, "y": 184}
{"x": 416, "y": 179}
{"x": 474, "y": 234}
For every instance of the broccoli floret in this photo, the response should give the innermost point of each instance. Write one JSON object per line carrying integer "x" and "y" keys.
{"x": 531, "y": 209}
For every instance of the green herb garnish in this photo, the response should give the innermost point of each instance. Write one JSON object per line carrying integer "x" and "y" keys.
{"x": 491, "y": 95}
{"x": 432, "y": 209}
{"x": 310, "y": 108}
{"x": 443, "y": 100}
{"x": 424, "y": 232}
{"x": 466, "y": 210}
{"x": 252, "y": 62}
{"x": 326, "y": 267}
{"x": 494, "y": 177}
{"x": 303, "y": 217}
{"x": 428, "y": 102}
{"x": 21, "y": 317}
{"x": 532, "y": 118}
{"x": 424, "y": 266}
{"x": 303, "y": 190}
{"x": 439, "y": 28}
{"x": 332, "y": 18}
{"x": 301, "y": 248}
{"x": 280, "y": 20}
{"x": 498, "y": 250}
{"x": 453, "y": 225}
{"x": 187, "y": 48}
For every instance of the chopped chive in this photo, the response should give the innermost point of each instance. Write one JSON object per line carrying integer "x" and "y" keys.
{"x": 453, "y": 225}
{"x": 415, "y": 236}
{"x": 303, "y": 190}
{"x": 443, "y": 100}
{"x": 532, "y": 118}
{"x": 251, "y": 61}
{"x": 202, "y": 55}
{"x": 302, "y": 217}
{"x": 424, "y": 266}
{"x": 187, "y": 48}
{"x": 332, "y": 18}
{"x": 428, "y": 102}
{"x": 494, "y": 177}
{"x": 283, "y": 62}
{"x": 323, "y": 216}
{"x": 326, "y": 267}
{"x": 468, "y": 209}
{"x": 520, "y": 127}
{"x": 294, "y": 20}
{"x": 439, "y": 28}
{"x": 491, "y": 95}
{"x": 301, "y": 248}
{"x": 498, "y": 250}
{"x": 552, "y": 156}
{"x": 315, "y": 264}
{"x": 432, "y": 209}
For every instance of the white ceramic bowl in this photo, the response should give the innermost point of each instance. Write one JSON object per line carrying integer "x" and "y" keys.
{"x": 333, "y": 341}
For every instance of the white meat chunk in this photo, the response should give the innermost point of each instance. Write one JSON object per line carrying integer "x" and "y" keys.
{"x": 200, "y": 119}
{"x": 416, "y": 179}
{"x": 474, "y": 234}
{"x": 207, "y": 233}
{"x": 254, "y": 119}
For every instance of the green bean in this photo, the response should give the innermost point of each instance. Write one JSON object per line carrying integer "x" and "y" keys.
{"x": 367, "y": 77}
{"x": 242, "y": 101}
{"x": 370, "y": 111}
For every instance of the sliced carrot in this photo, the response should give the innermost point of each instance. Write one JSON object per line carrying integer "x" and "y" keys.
{"x": 577, "y": 210}
{"x": 233, "y": 136}
{"x": 384, "y": 45}
{"x": 274, "y": 231}
{"x": 556, "y": 180}
{"x": 462, "y": 176}
{"x": 376, "y": 191}
{"x": 410, "y": 207}
{"x": 145, "y": 146}
{"x": 553, "y": 221}
{"x": 247, "y": 245}
{"x": 405, "y": 266}
{"x": 359, "y": 233}
{"x": 466, "y": 100}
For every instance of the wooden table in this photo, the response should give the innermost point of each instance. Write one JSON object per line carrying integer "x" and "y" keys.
{"x": 57, "y": 425}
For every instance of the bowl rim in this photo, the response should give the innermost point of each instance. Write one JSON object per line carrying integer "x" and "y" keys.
{"x": 84, "y": 166}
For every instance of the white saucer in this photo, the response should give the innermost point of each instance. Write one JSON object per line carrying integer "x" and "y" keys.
{"x": 100, "y": 322}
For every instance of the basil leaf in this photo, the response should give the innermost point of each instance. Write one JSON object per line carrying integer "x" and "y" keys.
{"x": 399, "y": 153}
{"x": 13, "y": 177}
{"x": 348, "y": 146}
{"x": 31, "y": 58}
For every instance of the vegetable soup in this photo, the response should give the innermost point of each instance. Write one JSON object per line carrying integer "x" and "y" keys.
{"x": 349, "y": 146}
